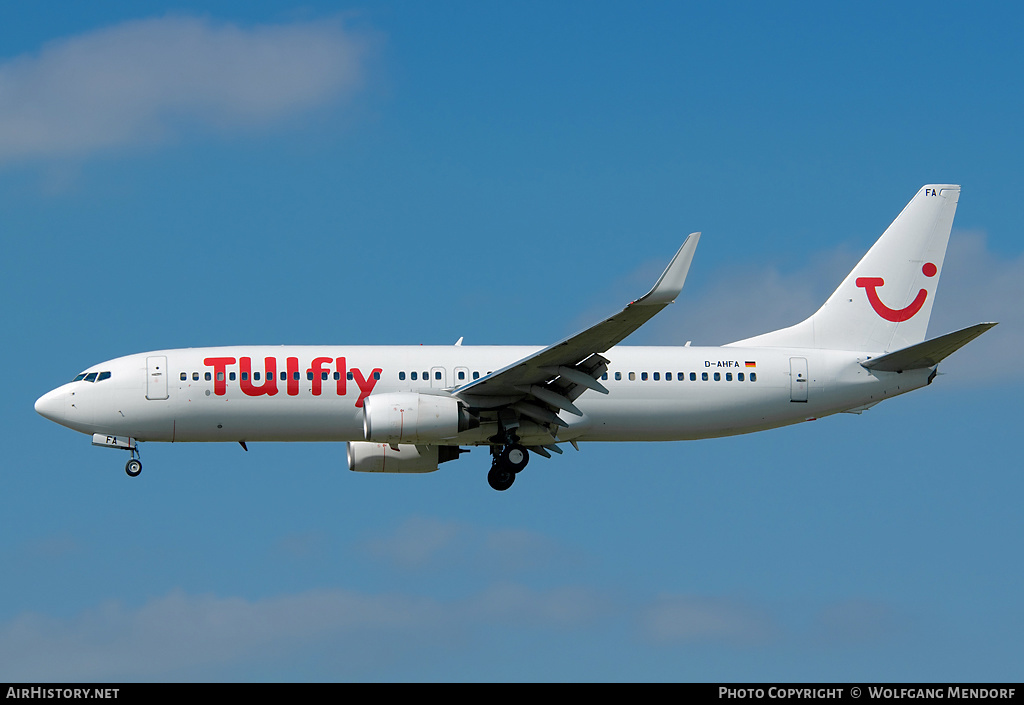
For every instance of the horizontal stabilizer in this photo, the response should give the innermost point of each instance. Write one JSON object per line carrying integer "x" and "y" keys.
{"x": 926, "y": 354}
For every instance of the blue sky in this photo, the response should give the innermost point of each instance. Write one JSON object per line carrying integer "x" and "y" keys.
{"x": 406, "y": 173}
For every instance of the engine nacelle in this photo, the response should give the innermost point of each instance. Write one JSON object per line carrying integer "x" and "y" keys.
{"x": 407, "y": 417}
{"x": 381, "y": 457}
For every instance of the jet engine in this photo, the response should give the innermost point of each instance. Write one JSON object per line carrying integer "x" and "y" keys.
{"x": 382, "y": 457}
{"x": 407, "y": 417}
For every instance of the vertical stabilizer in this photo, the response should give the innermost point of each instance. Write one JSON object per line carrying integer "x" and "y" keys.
{"x": 884, "y": 304}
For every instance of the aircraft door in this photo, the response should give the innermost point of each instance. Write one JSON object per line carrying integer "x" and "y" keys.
{"x": 798, "y": 379}
{"x": 156, "y": 377}
{"x": 438, "y": 378}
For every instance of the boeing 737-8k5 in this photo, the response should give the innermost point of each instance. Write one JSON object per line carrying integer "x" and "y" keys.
{"x": 411, "y": 408}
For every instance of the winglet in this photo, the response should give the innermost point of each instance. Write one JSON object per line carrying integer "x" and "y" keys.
{"x": 672, "y": 279}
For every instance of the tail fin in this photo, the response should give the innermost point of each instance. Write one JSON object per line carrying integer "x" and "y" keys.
{"x": 884, "y": 304}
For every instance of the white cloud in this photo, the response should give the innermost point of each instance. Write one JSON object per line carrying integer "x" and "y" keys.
{"x": 182, "y": 634}
{"x": 416, "y": 543}
{"x": 425, "y": 543}
{"x": 687, "y": 618}
{"x": 143, "y": 81}
{"x": 180, "y": 631}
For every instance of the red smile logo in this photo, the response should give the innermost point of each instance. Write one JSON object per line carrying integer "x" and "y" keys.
{"x": 871, "y": 284}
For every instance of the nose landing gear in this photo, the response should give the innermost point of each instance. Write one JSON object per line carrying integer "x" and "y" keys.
{"x": 133, "y": 467}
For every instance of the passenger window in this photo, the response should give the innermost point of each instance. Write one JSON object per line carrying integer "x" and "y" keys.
{"x": 284, "y": 376}
{"x": 414, "y": 376}
{"x": 476, "y": 375}
{"x": 245, "y": 376}
{"x": 337, "y": 376}
{"x": 693, "y": 376}
{"x": 462, "y": 375}
{"x": 668, "y": 376}
{"x": 195, "y": 377}
{"x": 323, "y": 375}
{"x": 604, "y": 376}
{"x": 184, "y": 376}
{"x": 376, "y": 375}
{"x": 657, "y": 376}
{"x": 349, "y": 377}
{"x": 208, "y": 376}
{"x": 401, "y": 375}
{"x": 618, "y": 376}
{"x": 103, "y": 376}
{"x": 231, "y": 376}
{"x": 728, "y": 376}
{"x": 704, "y": 376}
{"x": 643, "y": 376}
{"x": 437, "y": 375}
{"x": 220, "y": 376}
{"x": 739, "y": 376}
{"x": 632, "y": 376}
{"x": 256, "y": 376}
{"x": 295, "y": 376}
{"x": 309, "y": 375}
{"x": 753, "y": 376}
{"x": 718, "y": 377}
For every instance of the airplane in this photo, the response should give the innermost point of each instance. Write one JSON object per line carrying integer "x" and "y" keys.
{"x": 408, "y": 409}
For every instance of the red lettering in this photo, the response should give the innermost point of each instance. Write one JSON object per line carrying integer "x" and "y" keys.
{"x": 365, "y": 385}
{"x": 317, "y": 370}
{"x": 293, "y": 376}
{"x": 342, "y": 376}
{"x": 269, "y": 386}
{"x": 219, "y": 365}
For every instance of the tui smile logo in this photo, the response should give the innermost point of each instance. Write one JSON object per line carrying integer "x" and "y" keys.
{"x": 871, "y": 284}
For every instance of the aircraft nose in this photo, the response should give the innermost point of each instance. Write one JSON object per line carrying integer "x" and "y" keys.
{"x": 51, "y": 405}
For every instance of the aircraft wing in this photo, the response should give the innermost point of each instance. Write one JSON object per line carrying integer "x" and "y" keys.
{"x": 926, "y": 354}
{"x": 558, "y": 374}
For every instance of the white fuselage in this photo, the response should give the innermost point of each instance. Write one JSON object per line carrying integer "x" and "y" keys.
{"x": 315, "y": 393}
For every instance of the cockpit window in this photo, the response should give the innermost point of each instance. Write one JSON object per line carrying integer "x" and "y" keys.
{"x": 92, "y": 377}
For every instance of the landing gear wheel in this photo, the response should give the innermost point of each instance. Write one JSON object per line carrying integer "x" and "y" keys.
{"x": 515, "y": 457}
{"x": 133, "y": 467}
{"x": 501, "y": 477}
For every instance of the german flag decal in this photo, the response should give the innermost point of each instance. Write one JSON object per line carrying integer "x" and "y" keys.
{"x": 749, "y": 363}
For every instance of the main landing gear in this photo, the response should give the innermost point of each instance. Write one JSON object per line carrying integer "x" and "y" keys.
{"x": 506, "y": 462}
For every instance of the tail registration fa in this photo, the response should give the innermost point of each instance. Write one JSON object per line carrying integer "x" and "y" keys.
{"x": 410, "y": 408}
